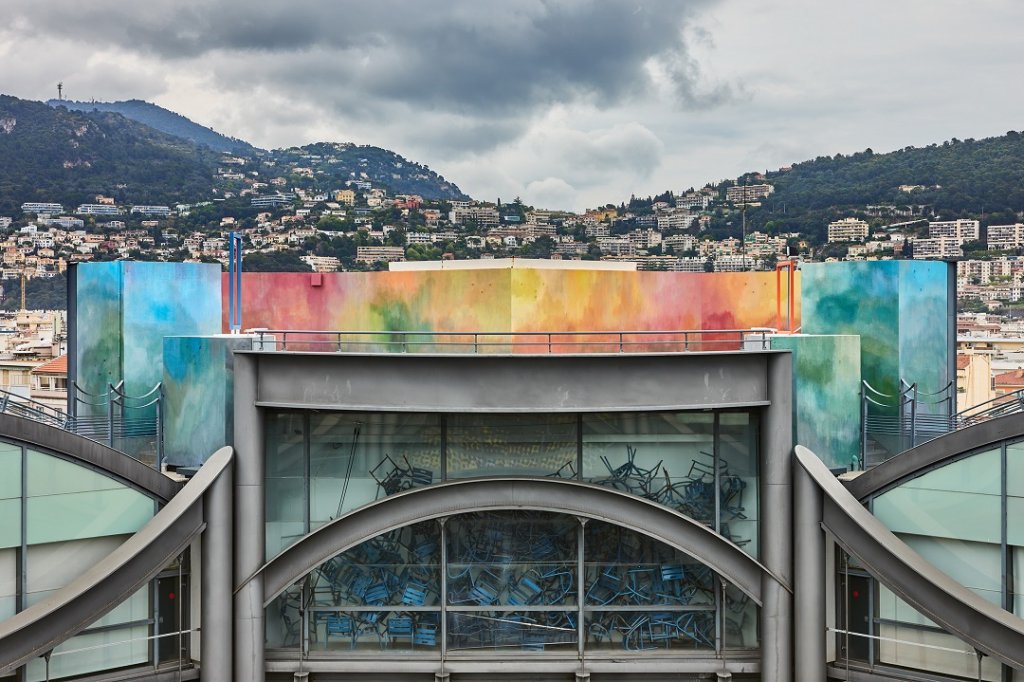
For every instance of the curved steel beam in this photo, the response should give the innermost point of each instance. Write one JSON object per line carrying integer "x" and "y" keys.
{"x": 957, "y": 609}
{"x": 925, "y": 456}
{"x": 78, "y": 448}
{"x": 72, "y": 608}
{"x": 537, "y": 494}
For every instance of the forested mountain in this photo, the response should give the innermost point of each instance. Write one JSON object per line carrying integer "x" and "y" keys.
{"x": 956, "y": 178}
{"x": 344, "y": 161}
{"x": 165, "y": 121}
{"x": 69, "y": 157}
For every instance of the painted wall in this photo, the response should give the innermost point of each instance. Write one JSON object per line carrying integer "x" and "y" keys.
{"x": 509, "y": 299}
{"x": 900, "y": 309}
{"x": 124, "y": 309}
{"x": 199, "y": 395}
{"x": 826, "y": 393}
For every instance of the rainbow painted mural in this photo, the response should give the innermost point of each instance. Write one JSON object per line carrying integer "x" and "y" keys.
{"x": 509, "y": 300}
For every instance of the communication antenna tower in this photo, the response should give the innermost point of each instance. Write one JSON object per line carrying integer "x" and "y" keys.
{"x": 60, "y": 90}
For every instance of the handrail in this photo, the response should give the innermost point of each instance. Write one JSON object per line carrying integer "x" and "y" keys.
{"x": 620, "y": 341}
{"x": 881, "y": 393}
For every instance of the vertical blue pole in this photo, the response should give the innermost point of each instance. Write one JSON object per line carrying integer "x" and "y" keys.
{"x": 235, "y": 282}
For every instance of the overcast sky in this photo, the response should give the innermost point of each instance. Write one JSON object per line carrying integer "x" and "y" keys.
{"x": 565, "y": 103}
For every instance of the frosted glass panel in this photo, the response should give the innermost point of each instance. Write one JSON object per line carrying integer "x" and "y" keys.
{"x": 960, "y": 500}
{"x": 506, "y": 444}
{"x": 10, "y": 523}
{"x": 52, "y": 566}
{"x": 70, "y": 502}
{"x": 10, "y": 495}
{"x": 10, "y": 471}
{"x": 117, "y": 655}
{"x": 972, "y": 564}
{"x": 8, "y": 582}
{"x": 1015, "y": 469}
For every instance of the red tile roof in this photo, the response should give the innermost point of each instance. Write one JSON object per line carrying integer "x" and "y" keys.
{"x": 1012, "y": 378}
{"x": 56, "y": 366}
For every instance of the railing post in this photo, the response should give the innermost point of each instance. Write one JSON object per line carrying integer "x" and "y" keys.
{"x": 476, "y": 340}
{"x": 405, "y": 342}
{"x": 160, "y": 428}
{"x": 863, "y": 425}
{"x": 110, "y": 415}
{"x": 913, "y": 416}
{"x": 620, "y": 342}
{"x": 549, "y": 343}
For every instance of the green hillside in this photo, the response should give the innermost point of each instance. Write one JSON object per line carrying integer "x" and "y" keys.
{"x": 165, "y": 121}
{"x": 70, "y": 157}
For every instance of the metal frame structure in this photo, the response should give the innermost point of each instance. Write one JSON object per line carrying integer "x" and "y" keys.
{"x": 515, "y": 383}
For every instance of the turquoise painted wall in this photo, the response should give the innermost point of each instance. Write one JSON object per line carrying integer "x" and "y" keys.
{"x": 826, "y": 395}
{"x": 124, "y": 310}
{"x": 900, "y": 309}
{"x": 199, "y": 393}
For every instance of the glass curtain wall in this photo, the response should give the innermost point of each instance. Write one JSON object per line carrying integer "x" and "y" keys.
{"x": 511, "y": 581}
{"x": 966, "y": 517}
{"x": 60, "y": 518}
{"x": 321, "y": 465}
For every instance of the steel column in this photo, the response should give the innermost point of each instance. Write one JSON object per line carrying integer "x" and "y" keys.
{"x": 249, "y": 523}
{"x": 808, "y": 579}
{"x": 776, "y": 540}
{"x": 216, "y": 580}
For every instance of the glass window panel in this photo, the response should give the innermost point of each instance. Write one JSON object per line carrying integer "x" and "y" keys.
{"x": 394, "y": 569}
{"x": 285, "y": 485}
{"x": 917, "y": 635}
{"x": 8, "y": 582}
{"x": 960, "y": 500}
{"x": 105, "y": 650}
{"x": 68, "y": 502}
{"x": 1015, "y": 469}
{"x": 374, "y": 631}
{"x": 742, "y": 620}
{"x": 285, "y": 510}
{"x": 283, "y": 624}
{"x": 524, "y": 631}
{"x": 358, "y": 458}
{"x": 54, "y": 565}
{"x": 10, "y": 471}
{"x": 1017, "y": 556}
{"x": 645, "y": 630}
{"x": 10, "y": 527}
{"x": 512, "y": 559}
{"x": 626, "y": 568}
{"x": 738, "y": 455}
{"x": 663, "y": 456}
{"x": 507, "y": 444}
{"x": 975, "y": 565}
{"x": 71, "y": 516}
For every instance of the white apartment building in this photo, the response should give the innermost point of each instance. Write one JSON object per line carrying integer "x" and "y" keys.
{"x": 616, "y": 246}
{"x": 1005, "y": 236}
{"x": 322, "y": 263}
{"x": 962, "y": 230}
{"x": 677, "y": 219}
{"x": 746, "y": 193}
{"x": 938, "y": 247}
{"x": 847, "y": 230}
{"x": 373, "y": 254}
{"x": 645, "y": 239}
{"x": 680, "y": 242}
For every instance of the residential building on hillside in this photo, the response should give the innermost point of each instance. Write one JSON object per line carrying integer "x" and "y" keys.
{"x": 1005, "y": 237}
{"x": 97, "y": 209}
{"x": 41, "y": 207}
{"x": 938, "y": 247}
{"x": 962, "y": 230}
{"x": 739, "y": 194}
{"x": 375, "y": 254}
{"x": 847, "y": 230}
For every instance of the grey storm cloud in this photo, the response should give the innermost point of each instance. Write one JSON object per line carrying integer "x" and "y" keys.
{"x": 461, "y": 56}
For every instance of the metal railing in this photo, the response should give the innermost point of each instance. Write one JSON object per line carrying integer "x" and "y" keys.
{"x": 894, "y": 422}
{"x": 470, "y": 342}
{"x": 112, "y": 417}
